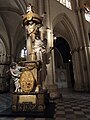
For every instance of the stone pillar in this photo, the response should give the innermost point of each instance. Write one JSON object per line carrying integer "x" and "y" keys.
{"x": 42, "y": 13}
{"x": 85, "y": 63}
{"x": 84, "y": 70}
{"x": 50, "y": 55}
{"x": 50, "y": 79}
{"x": 40, "y": 3}
{"x": 85, "y": 49}
{"x": 77, "y": 72}
{"x": 47, "y": 10}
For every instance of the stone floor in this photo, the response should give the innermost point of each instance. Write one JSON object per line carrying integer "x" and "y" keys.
{"x": 72, "y": 106}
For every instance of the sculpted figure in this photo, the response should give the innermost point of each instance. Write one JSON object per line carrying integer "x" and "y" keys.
{"x": 38, "y": 48}
{"x": 15, "y": 73}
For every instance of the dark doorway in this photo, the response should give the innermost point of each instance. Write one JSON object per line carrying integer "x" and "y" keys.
{"x": 62, "y": 45}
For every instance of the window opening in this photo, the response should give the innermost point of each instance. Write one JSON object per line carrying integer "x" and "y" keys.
{"x": 66, "y": 3}
{"x": 24, "y": 52}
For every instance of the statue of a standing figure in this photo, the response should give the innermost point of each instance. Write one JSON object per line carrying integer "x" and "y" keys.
{"x": 39, "y": 48}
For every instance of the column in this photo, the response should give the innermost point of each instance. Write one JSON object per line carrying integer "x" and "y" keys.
{"x": 52, "y": 58}
{"x": 77, "y": 72}
{"x": 85, "y": 48}
{"x": 84, "y": 39}
{"x": 40, "y": 3}
{"x": 50, "y": 79}
{"x": 84, "y": 69}
{"x": 50, "y": 66}
{"x": 42, "y": 13}
{"x": 47, "y": 10}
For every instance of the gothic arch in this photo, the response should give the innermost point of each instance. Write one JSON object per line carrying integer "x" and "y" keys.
{"x": 3, "y": 52}
{"x": 2, "y": 40}
{"x": 65, "y": 21}
{"x": 66, "y": 29}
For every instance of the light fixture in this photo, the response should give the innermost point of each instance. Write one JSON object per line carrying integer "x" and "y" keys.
{"x": 69, "y": 60}
{"x": 55, "y": 38}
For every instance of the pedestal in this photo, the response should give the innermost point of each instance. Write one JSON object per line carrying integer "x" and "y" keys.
{"x": 29, "y": 102}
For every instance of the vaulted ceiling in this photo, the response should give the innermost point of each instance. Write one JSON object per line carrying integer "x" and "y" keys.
{"x": 11, "y": 12}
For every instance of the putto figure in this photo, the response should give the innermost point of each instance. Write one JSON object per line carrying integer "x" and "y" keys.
{"x": 29, "y": 8}
{"x": 15, "y": 70}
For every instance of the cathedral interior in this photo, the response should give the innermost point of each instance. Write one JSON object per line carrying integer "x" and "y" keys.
{"x": 44, "y": 59}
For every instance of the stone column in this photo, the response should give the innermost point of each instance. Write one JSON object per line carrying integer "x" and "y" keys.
{"x": 40, "y": 3}
{"x": 85, "y": 49}
{"x": 50, "y": 79}
{"x": 50, "y": 55}
{"x": 42, "y": 13}
{"x": 77, "y": 72}
{"x": 84, "y": 69}
{"x": 85, "y": 63}
{"x": 47, "y": 10}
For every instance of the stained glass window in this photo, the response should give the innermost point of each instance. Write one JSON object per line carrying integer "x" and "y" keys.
{"x": 66, "y": 3}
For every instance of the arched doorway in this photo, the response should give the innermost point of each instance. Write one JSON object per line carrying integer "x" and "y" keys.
{"x": 63, "y": 64}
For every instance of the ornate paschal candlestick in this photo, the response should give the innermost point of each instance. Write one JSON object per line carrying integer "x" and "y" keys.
{"x": 30, "y": 96}
{"x": 32, "y": 23}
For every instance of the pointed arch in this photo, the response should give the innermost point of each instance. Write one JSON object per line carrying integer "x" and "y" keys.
{"x": 69, "y": 28}
{"x": 5, "y": 44}
{"x": 2, "y": 51}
